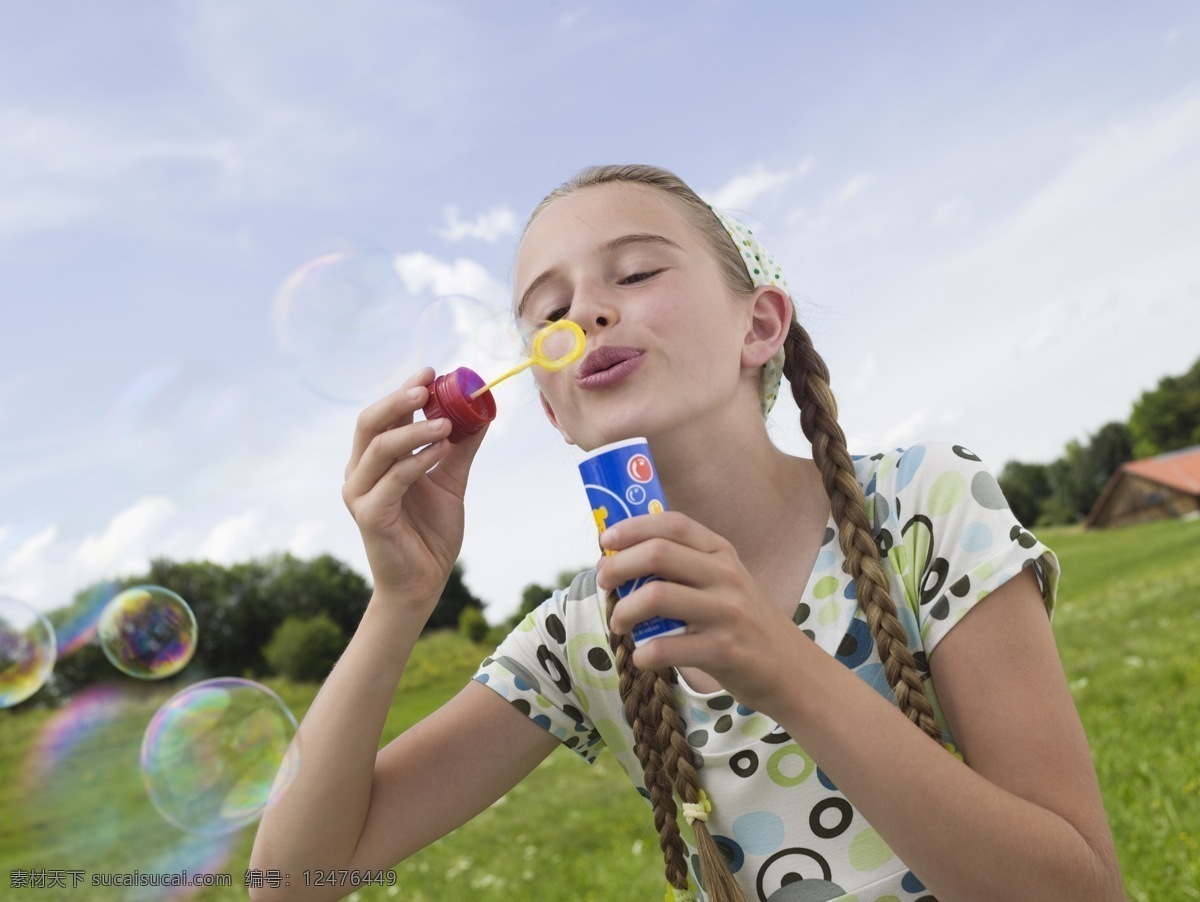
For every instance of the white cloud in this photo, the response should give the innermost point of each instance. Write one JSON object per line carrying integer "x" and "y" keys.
{"x": 744, "y": 189}
{"x": 490, "y": 225}
{"x": 852, "y": 189}
{"x": 131, "y": 538}
{"x": 28, "y": 571}
{"x": 425, "y": 274}
{"x": 31, "y": 553}
{"x": 233, "y": 539}
{"x": 307, "y": 539}
{"x": 953, "y": 213}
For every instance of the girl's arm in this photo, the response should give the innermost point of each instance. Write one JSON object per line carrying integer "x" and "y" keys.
{"x": 349, "y": 807}
{"x": 353, "y": 808}
{"x": 1022, "y": 818}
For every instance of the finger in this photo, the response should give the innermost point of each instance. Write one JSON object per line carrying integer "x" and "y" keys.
{"x": 672, "y": 525}
{"x": 389, "y": 448}
{"x": 392, "y": 410}
{"x": 388, "y": 491}
{"x": 455, "y": 467}
{"x": 661, "y": 598}
{"x": 660, "y": 557}
{"x": 686, "y": 650}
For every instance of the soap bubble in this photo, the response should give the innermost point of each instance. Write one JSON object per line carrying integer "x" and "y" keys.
{"x": 344, "y": 321}
{"x": 353, "y": 328}
{"x": 27, "y": 651}
{"x": 217, "y": 753}
{"x": 148, "y": 632}
{"x": 75, "y": 626}
{"x": 81, "y": 795}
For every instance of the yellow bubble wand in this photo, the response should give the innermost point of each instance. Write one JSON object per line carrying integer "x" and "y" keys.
{"x": 538, "y": 356}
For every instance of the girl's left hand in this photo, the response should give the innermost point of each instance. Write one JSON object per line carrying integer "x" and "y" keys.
{"x": 735, "y": 631}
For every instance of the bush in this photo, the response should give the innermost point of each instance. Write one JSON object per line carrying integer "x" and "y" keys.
{"x": 473, "y": 625}
{"x": 305, "y": 649}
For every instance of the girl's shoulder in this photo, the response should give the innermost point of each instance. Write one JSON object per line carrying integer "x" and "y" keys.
{"x": 929, "y": 471}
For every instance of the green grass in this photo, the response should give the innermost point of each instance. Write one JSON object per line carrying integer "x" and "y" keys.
{"x": 1128, "y": 621}
{"x": 1128, "y": 629}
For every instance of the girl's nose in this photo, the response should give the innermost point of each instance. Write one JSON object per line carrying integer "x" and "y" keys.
{"x": 592, "y": 308}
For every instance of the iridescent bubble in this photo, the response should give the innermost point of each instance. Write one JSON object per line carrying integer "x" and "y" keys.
{"x": 344, "y": 321}
{"x": 148, "y": 632}
{"x": 27, "y": 651}
{"x": 81, "y": 796}
{"x": 75, "y": 626}
{"x": 355, "y": 322}
{"x": 217, "y": 754}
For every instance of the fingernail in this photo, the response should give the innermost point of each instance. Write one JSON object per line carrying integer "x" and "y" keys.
{"x": 437, "y": 423}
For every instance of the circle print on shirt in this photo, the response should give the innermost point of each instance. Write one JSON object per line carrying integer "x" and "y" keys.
{"x": 797, "y": 875}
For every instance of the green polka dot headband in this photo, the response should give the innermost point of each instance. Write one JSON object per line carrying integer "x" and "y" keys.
{"x": 763, "y": 270}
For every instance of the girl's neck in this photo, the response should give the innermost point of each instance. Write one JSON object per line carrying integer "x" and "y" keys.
{"x": 738, "y": 484}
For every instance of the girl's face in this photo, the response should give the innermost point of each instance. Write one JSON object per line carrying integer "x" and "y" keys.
{"x": 664, "y": 332}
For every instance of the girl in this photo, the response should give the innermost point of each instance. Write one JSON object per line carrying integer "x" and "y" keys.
{"x": 831, "y": 725}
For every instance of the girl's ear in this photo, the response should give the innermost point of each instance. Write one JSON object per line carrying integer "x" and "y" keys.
{"x": 770, "y": 319}
{"x": 553, "y": 419}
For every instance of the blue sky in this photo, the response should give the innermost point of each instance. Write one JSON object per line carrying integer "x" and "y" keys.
{"x": 988, "y": 218}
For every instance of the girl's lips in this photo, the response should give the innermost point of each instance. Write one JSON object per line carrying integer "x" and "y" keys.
{"x": 610, "y": 376}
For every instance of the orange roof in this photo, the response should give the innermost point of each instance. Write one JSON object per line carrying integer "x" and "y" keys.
{"x": 1176, "y": 469}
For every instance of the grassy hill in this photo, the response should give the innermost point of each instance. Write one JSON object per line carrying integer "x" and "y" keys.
{"x": 1128, "y": 624}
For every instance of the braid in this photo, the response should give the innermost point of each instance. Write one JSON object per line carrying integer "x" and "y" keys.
{"x": 637, "y": 688}
{"x": 809, "y": 378}
{"x": 677, "y": 759}
{"x": 666, "y": 758}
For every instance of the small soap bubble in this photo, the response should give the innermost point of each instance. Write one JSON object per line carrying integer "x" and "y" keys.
{"x": 148, "y": 632}
{"x": 345, "y": 323}
{"x": 217, "y": 754}
{"x": 27, "y": 651}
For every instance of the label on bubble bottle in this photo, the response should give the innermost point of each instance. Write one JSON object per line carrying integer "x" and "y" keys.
{"x": 621, "y": 482}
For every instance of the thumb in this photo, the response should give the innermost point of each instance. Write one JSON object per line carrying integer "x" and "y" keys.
{"x": 453, "y": 469}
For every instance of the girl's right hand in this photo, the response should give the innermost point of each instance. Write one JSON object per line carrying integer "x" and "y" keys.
{"x": 408, "y": 503}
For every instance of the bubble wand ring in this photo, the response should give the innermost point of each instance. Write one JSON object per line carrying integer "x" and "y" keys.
{"x": 538, "y": 356}
{"x": 462, "y": 397}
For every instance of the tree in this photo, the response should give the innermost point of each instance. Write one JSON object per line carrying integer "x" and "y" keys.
{"x": 455, "y": 598}
{"x": 472, "y": 625}
{"x": 1026, "y": 486}
{"x": 305, "y": 649}
{"x": 534, "y": 594}
{"x": 1168, "y": 417}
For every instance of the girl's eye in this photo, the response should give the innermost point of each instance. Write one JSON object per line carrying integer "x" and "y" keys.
{"x": 554, "y": 315}
{"x": 639, "y": 277}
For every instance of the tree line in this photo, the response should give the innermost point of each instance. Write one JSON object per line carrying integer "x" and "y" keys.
{"x": 1166, "y": 418}
{"x": 277, "y": 615}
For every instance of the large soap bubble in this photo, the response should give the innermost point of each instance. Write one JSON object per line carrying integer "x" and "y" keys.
{"x": 343, "y": 320}
{"x": 353, "y": 328}
{"x": 27, "y": 651}
{"x": 80, "y": 797}
{"x": 217, "y": 753}
{"x": 148, "y": 632}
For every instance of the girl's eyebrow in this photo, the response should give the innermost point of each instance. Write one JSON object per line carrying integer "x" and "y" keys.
{"x": 607, "y": 247}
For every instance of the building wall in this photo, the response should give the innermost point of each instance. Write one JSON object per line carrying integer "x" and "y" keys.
{"x": 1138, "y": 500}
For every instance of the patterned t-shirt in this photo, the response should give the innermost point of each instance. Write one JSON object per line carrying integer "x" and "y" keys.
{"x": 948, "y": 539}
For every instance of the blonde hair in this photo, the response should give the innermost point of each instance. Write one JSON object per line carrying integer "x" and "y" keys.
{"x": 648, "y": 697}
